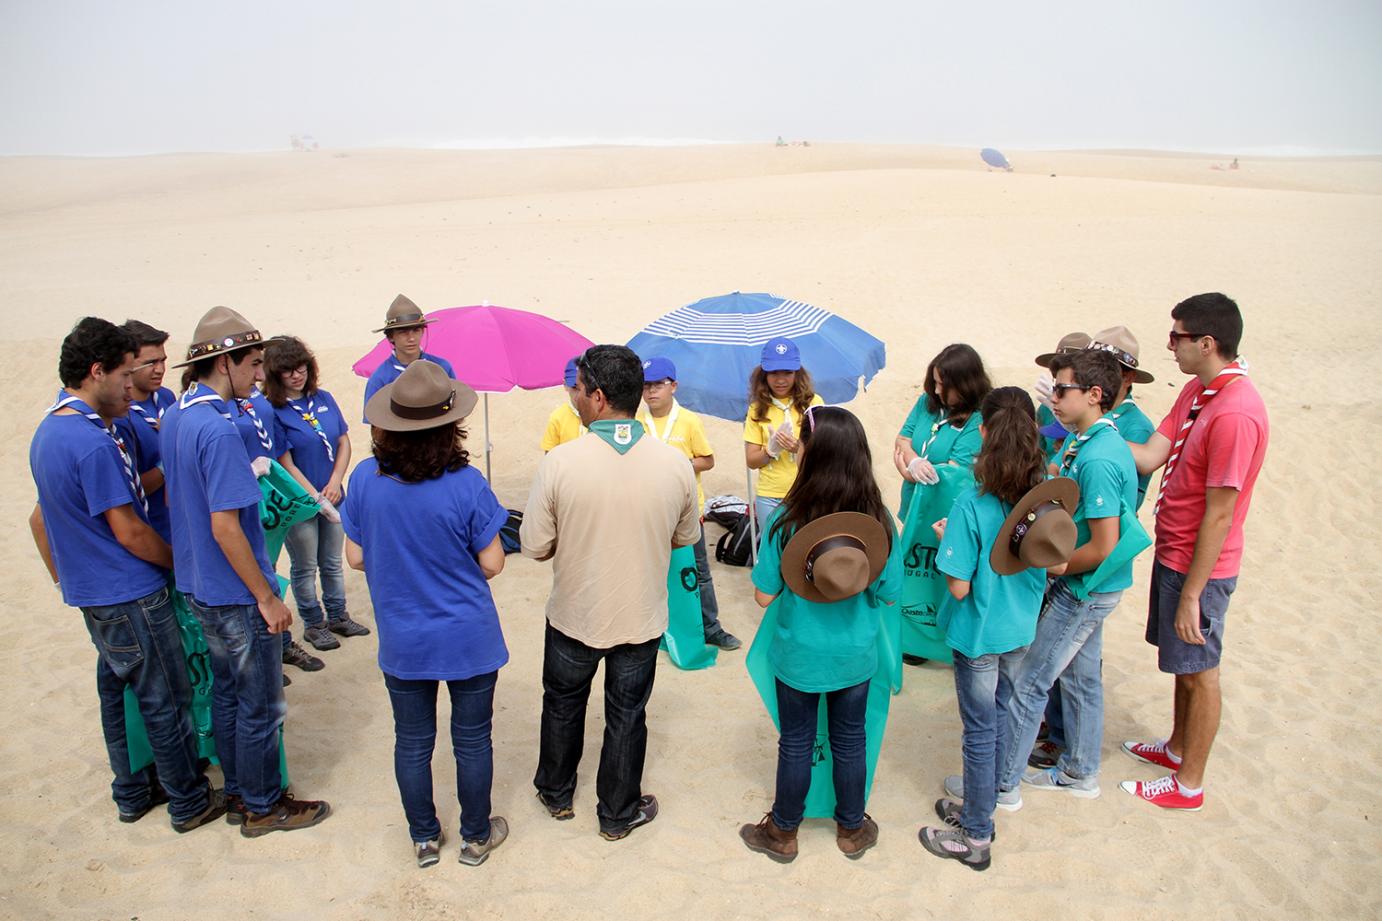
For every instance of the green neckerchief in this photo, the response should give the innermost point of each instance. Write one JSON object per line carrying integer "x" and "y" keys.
{"x": 619, "y": 434}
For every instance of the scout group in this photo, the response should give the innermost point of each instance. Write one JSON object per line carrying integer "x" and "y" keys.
{"x": 143, "y": 494}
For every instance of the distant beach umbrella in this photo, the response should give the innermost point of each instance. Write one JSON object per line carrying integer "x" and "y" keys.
{"x": 995, "y": 159}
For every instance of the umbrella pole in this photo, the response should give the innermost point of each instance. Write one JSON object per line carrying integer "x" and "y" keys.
{"x": 753, "y": 520}
{"x": 487, "y": 444}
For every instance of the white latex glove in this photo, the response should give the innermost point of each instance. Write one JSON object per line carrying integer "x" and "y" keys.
{"x": 261, "y": 465}
{"x": 328, "y": 511}
{"x": 923, "y": 472}
{"x": 1043, "y": 389}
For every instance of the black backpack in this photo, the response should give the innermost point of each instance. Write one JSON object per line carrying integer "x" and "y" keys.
{"x": 735, "y": 546}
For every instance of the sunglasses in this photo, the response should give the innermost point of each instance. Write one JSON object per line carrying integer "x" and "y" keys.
{"x": 1060, "y": 390}
{"x": 1172, "y": 336}
{"x": 582, "y": 363}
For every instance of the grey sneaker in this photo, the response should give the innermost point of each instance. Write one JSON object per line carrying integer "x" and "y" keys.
{"x": 320, "y": 637}
{"x": 294, "y": 654}
{"x": 429, "y": 852}
{"x": 474, "y": 853}
{"x": 948, "y": 811}
{"x": 1056, "y": 779}
{"x": 954, "y": 844}
{"x": 1008, "y": 800}
{"x": 347, "y": 627}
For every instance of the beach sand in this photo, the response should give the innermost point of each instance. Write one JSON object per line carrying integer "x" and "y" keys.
{"x": 921, "y": 246}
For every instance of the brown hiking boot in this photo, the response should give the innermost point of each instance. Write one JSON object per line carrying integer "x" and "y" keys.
{"x": 852, "y": 842}
{"x": 288, "y": 814}
{"x": 767, "y": 838}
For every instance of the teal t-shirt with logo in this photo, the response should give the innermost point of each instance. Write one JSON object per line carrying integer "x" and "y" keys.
{"x": 1134, "y": 426}
{"x": 821, "y": 647}
{"x": 1107, "y": 476}
{"x": 1000, "y": 612}
{"x": 938, "y": 442}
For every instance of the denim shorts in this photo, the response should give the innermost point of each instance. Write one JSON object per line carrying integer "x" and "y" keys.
{"x": 1174, "y": 655}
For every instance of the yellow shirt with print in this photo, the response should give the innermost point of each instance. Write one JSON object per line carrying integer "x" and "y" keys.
{"x": 775, "y": 479}
{"x": 687, "y": 436}
{"x": 562, "y": 426}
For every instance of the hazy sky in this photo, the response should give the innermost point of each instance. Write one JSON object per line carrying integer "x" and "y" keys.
{"x": 135, "y": 76}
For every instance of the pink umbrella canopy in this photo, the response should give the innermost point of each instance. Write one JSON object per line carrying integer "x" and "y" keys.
{"x": 494, "y": 349}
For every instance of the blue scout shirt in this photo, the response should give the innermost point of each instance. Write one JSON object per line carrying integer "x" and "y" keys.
{"x": 1000, "y": 612}
{"x": 1104, "y": 469}
{"x": 315, "y": 457}
{"x": 257, "y": 424}
{"x": 433, "y": 607}
{"x": 80, "y": 476}
{"x": 938, "y": 442}
{"x": 388, "y": 372}
{"x": 140, "y": 429}
{"x": 820, "y": 647}
{"x": 208, "y": 470}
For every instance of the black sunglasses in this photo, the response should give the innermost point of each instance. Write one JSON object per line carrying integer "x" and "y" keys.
{"x": 1060, "y": 390}
{"x": 1173, "y": 336}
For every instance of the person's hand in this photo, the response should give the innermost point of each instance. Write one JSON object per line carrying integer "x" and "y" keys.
{"x": 275, "y": 614}
{"x": 938, "y": 528}
{"x": 900, "y": 462}
{"x": 1057, "y": 570}
{"x": 1043, "y": 386}
{"x": 261, "y": 466}
{"x": 328, "y": 510}
{"x": 1188, "y": 620}
{"x": 782, "y": 441}
{"x": 923, "y": 471}
{"x": 331, "y": 492}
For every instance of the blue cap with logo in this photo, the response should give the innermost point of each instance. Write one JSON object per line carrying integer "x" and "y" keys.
{"x": 781, "y": 354}
{"x": 659, "y": 369}
{"x": 569, "y": 375}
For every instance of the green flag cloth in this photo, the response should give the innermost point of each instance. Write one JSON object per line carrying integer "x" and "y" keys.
{"x": 283, "y": 503}
{"x": 923, "y": 585}
{"x": 685, "y": 637}
{"x": 886, "y": 681}
{"x": 1132, "y": 540}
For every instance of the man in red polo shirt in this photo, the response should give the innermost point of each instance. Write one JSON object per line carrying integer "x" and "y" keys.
{"x": 1212, "y": 443}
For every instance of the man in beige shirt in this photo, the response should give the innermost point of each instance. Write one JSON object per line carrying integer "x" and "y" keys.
{"x": 607, "y": 509}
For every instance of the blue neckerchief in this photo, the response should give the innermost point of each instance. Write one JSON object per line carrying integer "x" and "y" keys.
{"x": 65, "y": 400}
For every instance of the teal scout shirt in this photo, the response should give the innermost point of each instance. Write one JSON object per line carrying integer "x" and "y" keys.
{"x": 937, "y": 442}
{"x": 824, "y": 647}
{"x": 1107, "y": 476}
{"x": 1134, "y": 426}
{"x": 1000, "y": 612}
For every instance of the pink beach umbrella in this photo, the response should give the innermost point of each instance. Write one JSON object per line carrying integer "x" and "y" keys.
{"x": 493, "y": 350}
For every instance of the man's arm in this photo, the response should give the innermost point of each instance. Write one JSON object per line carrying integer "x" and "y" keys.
{"x": 151, "y": 480}
{"x": 1151, "y": 455}
{"x": 538, "y": 533}
{"x": 40, "y": 534}
{"x": 135, "y": 535}
{"x": 230, "y": 537}
{"x": 1103, "y": 536}
{"x": 1219, "y": 503}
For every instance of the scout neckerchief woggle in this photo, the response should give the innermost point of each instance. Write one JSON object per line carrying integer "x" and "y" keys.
{"x": 66, "y": 400}
{"x": 1235, "y": 369}
{"x": 309, "y": 415}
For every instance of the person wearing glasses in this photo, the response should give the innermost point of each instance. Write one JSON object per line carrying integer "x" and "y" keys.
{"x": 1212, "y": 443}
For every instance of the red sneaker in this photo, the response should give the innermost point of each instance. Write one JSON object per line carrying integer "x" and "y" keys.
{"x": 1152, "y": 753}
{"x": 1164, "y": 792}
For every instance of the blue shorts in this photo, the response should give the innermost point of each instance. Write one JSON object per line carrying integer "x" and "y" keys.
{"x": 1174, "y": 655}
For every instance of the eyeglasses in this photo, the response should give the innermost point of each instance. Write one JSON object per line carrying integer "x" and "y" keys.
{"x": 1172, "y": 336}
{"x": 656, "y": 385}
{"x": 1060, "y": 390}
{"x": 587, "y": 376}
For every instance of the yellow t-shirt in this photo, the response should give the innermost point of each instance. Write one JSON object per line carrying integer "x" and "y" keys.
{"x": 563, "y": 425}
{"x": 775, "y": 479}
{"x": 682, "y": 429}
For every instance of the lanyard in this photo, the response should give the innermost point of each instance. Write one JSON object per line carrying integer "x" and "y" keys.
{"x": 651, "y": 423}
{"x": 309, "y": 415}
{"x": 65, "y": 400}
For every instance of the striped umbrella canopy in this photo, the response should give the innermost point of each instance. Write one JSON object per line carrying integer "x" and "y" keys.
{"x": 716, "y": 343}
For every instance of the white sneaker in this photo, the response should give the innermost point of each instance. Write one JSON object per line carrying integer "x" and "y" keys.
{"x": 1008, "y": 800}
{"x": 1056, "y": 779}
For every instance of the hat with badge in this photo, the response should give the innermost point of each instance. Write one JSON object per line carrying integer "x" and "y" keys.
{"x": 657, "y": 369}
{"x": 422, "y": 397}
{"x": 220, "y": 332}
{"x": 402, "y": 314}
{"x": 1040, "y": 530}
{"x": 1070, "y": 342}
{"x": 835, "y": 557}
{"x": 1119, "y": 342}
{"x": 780, "y": 354}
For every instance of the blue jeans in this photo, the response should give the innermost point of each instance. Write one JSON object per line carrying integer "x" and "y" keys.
{"x": 1068, "y": 648}
{"x": 247, "y": 705}
{"x": 568, "y": 668}
{"x": 983, "y": 689}
{"x": 415, "y": 736}
{"x": 315, "y": 546}
{"x": 710, "y": 608}
{"x": 763, "y": 507}
{"x": 139, "y": 646}
{"x": 798, "y": 714}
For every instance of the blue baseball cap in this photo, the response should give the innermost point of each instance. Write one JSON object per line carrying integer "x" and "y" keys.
{"x": 781, "y": 354}
{"x": 569, "y": 375}
{"x": 659, "y": 369}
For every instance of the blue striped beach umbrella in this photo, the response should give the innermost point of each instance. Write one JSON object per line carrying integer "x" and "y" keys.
{"x": 715, "y": 344}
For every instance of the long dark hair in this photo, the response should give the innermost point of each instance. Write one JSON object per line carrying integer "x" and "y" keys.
{"x": 420, "y": 455}
{"x": 761, "y": 395}
{"x": 962, "y": 372}
{"x": 281, "y": 356}
{"x": 1010, "y": 461}
{"x": 836, "y": 474}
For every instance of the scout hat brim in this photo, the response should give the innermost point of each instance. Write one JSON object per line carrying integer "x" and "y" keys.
{"x": 220, "y": 332}
{"x": 414, "y": 408}
{"x": 862, "y": 528}
{"x": 1058, "y": 489}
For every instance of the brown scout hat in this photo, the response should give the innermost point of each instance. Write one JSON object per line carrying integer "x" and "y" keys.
{"x": 1070, "y": 342}
{"x": 403, "y": 314}
{"x": 1039, "y": 532}
{"x": 422, "y": 397}
{"x": 835, "y": 557}
{"x": 220, "y": 332}
{"x": 1119, "y": 342}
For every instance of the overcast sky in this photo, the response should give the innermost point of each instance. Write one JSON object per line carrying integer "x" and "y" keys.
{"x": 137, "y": 76}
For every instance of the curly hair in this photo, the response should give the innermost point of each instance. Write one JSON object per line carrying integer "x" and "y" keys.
{"x": 761, "y": 395}
{"x": 424, "y": 454}
{"x": 93, "y": 341}
{"x": 1010, "y": 461}
{"x": 281, "y": 356}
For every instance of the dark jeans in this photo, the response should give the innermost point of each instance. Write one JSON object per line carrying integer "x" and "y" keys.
{"x": 568, "y": 668}
{"x": 139, "y": 646}
{"x": 247, "y": 705}
{"x": 983, "y": 689}
{"x": 415, "y": 737}
{"x": 798, "y": 713}
{"x": 710, "y": 608}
